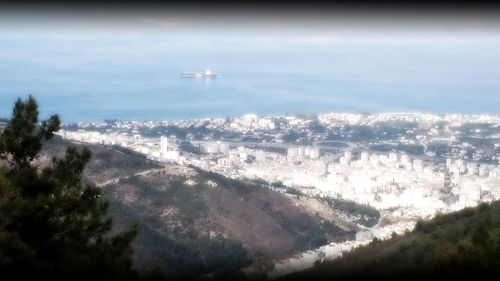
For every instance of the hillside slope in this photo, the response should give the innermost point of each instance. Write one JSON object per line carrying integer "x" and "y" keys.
{"x": 198, "y": 222}
{"x": 460, "y": 244}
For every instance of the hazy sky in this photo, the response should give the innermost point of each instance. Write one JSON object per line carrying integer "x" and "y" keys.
{"x": 371, "y": 45}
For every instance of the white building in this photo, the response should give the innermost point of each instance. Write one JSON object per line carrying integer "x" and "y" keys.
{"x": 260, "y": 156}
{"x": 393, "y": 157}
{"x": 365, "y": 156}
{"x": 472, "y": 168}
{"x": 225, "y": 162}
{"x": 171, "y": 155}
{"x": 163, "y": 145}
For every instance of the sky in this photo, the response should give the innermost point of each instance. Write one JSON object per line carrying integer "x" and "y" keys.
{"x": 365, "y": 45}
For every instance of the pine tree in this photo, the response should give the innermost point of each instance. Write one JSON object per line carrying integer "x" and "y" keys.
{"x": 51, "y": 224}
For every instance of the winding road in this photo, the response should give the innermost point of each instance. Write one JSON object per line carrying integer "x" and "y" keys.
{"x": 141, "y": 173}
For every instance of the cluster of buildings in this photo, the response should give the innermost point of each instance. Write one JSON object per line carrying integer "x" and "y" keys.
{"x": 422, "y": 118}
{"x": 252, "y": 121}
{"x": 420, "y": 187}
{"x": 402, "y": 186}
{"x": 418, "y": 183}
{"x": 421, "y": 129}
{"x": 301, "y": 152}
{"x": 383, "y": 180}
{"x": 459, "y": 167}
{"x": 97, "y": 137}
{"x": 166, "y": 149}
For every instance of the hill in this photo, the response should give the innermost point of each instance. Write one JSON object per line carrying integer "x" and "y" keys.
{"x": 460, "y": 244}
{"x": 196, "y": 223}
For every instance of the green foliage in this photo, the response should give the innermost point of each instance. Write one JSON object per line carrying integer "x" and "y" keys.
{"x": 21, "y": 140}
{"x": 187, "y": 146}
{"x": 182, "y": 250}
{"x": 368, "y": 215}
{"x": 241, "y": 187}
{"x": 311, "y": 231}
{"x": 177, "y": 195}
{"x": 52, "y": 226}
{"x": 293, "y": 191}
{"x": 415, "y": 149}
{"x": 460, "y": 244}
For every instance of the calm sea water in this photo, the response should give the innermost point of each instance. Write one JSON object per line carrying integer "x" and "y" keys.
{"x": 233, "y": 94}
{"x": 139, "y": 79}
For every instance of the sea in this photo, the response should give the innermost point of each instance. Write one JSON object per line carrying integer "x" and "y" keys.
{"x": 169, "y": 96}
{"x": 94, "y": 80}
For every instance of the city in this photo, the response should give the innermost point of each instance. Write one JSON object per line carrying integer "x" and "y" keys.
{"x": 407, "y": 166}
{"x": 232, "y": 141}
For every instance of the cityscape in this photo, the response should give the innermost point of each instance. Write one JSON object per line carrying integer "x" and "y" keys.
{"x": 243, "y": 141}
{"x": 407, "y": 166}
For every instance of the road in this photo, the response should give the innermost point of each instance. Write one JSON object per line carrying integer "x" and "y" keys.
{"x": 141, "y": 173}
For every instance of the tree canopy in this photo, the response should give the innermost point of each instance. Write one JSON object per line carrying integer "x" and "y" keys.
{"x": 51, "y": 224}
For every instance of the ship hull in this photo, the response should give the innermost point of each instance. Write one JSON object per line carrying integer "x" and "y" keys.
{"x": 198, "y": 75}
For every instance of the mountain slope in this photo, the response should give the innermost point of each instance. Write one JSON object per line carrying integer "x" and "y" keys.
{"x": 196, "y": 222}
{"x": 194, "y": 203}
{"x": 464, "y": 243}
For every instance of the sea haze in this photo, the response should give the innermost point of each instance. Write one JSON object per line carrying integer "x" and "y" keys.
{"x": 131, "y": 68}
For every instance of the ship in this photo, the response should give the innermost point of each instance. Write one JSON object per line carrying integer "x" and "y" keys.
{"x": 208, "y": 74}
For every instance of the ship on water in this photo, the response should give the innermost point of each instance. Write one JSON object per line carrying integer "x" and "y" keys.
{"x": 208, "y": 74}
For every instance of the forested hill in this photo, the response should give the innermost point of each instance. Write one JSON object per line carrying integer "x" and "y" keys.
{"x": 461, "y": 244}
{"x": 193, "y": 223}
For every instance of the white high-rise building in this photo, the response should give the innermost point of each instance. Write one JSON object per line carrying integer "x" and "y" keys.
{"x": 301, "y": 151}
{"x": 211, "y": 147}
{"x": 483, "y": 171}
{"x": 472, "y": 168}
{"x": 313, "y": 152}
{"x": 346, "y": 158}
{"x": 418, "y": 165}
{"x": 365, "y": 156}
{"x": 163, "y": 145}
{"x": 393, "y": 157}
{"x": 459, "y": 163}
{"x": 348, "y": 155}
{"x": 405, "y": 159}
